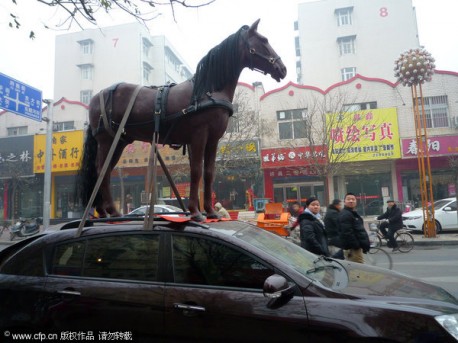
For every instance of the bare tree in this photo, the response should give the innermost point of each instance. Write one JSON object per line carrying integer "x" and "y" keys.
{"x": 78, "y": 12}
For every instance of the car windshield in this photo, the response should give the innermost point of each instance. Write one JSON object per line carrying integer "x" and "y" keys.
{"x": 310, "y": 265}
{"x": 439, "y": 204}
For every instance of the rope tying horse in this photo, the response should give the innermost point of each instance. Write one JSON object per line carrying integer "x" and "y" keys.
{"x": 194, "y": 113}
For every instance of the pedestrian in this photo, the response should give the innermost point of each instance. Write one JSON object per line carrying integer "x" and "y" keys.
{"x": 331, "y": 224}
{"x": 295, "y": 210}
{"x": 353, "y": 235}
{"x": 393, "y": 222}
{"x": 222, "y": 211}
{"x": 312, "y": 231}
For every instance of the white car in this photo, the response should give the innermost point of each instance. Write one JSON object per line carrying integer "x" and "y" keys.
{"x": 444, "y": 214}
{"x": 158, "y": 209}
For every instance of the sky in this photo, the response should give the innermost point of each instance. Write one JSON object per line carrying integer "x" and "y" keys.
{"x": 195, "y": 31}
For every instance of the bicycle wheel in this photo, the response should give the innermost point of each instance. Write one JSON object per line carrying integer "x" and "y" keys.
{"x": 379, "y": 258}
{"x": 375, "y": 240}
{"x": 405, "y": 241}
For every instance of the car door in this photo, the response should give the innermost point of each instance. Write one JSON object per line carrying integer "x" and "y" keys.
{"x": 106, "y": 283}
{"x": 216, "y": 294}
{"x": 448, "y": 218}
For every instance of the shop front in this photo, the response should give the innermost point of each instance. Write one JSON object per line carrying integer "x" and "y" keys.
{"x": 441, "y": 149}
{"x": 289, "y": 175}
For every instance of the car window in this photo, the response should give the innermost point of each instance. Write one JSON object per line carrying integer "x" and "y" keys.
{"x": 453, "y": 206}
{"x": 26, "y": 264}
{"x": 130, "y": 257}
{"x": 207, "y": 262}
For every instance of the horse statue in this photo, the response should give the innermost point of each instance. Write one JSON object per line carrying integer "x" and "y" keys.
{"x": 193, "y": 114}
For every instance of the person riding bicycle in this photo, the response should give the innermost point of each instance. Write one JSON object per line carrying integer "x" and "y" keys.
{"x": 393, "y": 221}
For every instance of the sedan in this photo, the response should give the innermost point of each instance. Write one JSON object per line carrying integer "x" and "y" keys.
{"x": 223, "y": 281}
{"x": 158, "y": 209}
{"x": 444, "y": 215}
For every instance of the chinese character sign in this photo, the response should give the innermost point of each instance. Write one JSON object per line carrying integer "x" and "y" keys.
{"x": 437, "y": 146}
{"x": 364, "y": 135}
{"x": 67, "y": 148}
{"x": 16, "y": 153}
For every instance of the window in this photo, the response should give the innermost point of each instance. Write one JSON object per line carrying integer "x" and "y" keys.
{"x": 64, "y": 126}
{"x": 346, "y": 45}
{"x": 146, "y": 72}
{"x": 146, "y": 47}
{"x": 359, "y": 107}
{"x": 30, "y": 264}
{"x": 292, "y": 124}
{"x": 206, "y": 262}
{"x": 344, "y": 16}
{"x": 132, "y": 257}
{"x": 348, "y": 73}
{"x": 86, "y": 47}
{"x": 297, "y": 46}
{"x": 17, "y": 131}
{"x": 233, "y": 125}
{"x": 85, "y": 96}
{"x": 436, "y": 111}
{"x": 86, "y": 71}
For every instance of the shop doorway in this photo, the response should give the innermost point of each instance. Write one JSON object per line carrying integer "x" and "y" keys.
{"x": 290, "y": 192}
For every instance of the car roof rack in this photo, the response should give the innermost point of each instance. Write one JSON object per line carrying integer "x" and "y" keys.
{"x": 117, "y": 220}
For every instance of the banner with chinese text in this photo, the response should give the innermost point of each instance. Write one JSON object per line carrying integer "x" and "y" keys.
{"x": 364, "y": 135}
{"x": 16, "y": 156}
{"x": 291, "y": 157}
{"x": 67, "y": 147}
{"x": 437, "y": 146}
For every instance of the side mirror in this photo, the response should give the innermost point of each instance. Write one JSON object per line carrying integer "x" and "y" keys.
{"x": 278, "y": 290}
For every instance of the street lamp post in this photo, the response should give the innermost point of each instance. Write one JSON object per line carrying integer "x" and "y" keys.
{"x": 48, "y": 161}
{"x": 413, "y": 68}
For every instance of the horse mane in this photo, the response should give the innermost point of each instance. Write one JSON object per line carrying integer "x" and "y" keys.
{"x": 221, "y": 65}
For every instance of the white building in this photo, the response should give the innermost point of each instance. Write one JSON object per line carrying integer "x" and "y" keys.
{"x": 91, "y": 60}
{"x": 338, "y": 39}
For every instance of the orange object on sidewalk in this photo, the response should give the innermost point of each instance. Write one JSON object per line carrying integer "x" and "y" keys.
{"x": 274, "y": 219}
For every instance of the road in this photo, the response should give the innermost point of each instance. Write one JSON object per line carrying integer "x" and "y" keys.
{"x": 433, "y": 264}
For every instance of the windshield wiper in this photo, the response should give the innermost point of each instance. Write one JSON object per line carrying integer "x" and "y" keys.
{"x": 324, "y": 267}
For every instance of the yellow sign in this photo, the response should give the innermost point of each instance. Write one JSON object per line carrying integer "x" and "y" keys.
{"x": 364, "y": 135}
{"x": 67, "y": 148}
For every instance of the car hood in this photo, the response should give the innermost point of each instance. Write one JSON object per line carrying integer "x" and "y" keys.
{"x": 368, "y": 281}
{"x": 414, "y": 213}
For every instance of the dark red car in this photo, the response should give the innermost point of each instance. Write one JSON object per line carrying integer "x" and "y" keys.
{"x": 225, "y": 281}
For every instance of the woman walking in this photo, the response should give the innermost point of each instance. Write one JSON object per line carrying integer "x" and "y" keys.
{"x": 313, "y": 233}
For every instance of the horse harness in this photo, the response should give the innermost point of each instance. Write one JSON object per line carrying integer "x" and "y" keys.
{"x": 160, "y": 110}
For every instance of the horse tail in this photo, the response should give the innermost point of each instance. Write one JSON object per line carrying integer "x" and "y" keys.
{"x": 87, "y": 174}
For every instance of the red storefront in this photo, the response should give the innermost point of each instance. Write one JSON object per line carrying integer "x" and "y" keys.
{"x": 440, "y": 148}
{"x": 290, "y": 173}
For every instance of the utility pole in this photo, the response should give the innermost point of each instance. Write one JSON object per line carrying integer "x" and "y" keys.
{"x": 48, "y": 162}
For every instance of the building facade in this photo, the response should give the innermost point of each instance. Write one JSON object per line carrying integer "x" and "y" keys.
{"x": 91, "y": 60}
{"x": 337, "y": 39}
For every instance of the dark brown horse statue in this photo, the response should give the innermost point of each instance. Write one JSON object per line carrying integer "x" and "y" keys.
{"x": 194, "y": 114}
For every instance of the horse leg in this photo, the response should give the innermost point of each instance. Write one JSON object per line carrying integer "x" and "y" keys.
{"x": 195, "y": 163}
{"x": 209, "y": 177}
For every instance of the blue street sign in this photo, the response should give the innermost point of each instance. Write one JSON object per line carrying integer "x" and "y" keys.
{"x": 20, "y": 98}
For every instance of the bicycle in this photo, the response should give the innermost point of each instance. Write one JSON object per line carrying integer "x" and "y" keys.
{"x": 404, "y": 239}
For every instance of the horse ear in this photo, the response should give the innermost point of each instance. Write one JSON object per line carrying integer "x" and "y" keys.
{"x": 254, "y": 27}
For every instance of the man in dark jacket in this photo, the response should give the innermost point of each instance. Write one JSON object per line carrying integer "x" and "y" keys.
{"x": 393, "y": 221}
{"x": 353, "y": 235}
{"x": 331, "y": 224}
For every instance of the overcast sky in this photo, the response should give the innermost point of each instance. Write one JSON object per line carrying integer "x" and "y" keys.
{"x": 197, "y": 31}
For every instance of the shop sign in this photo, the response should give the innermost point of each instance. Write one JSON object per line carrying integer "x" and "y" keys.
{"x": 364, "y": 135}
{"x": 290, "y": 157}
{"x": 287, "y": 172}
{"x": 67, "y": 148}
{"x": 137, "y": 154}
{"x": 237, "y": 149}
{"x": 16, "y": 153}
{"x": 437, "y": 146}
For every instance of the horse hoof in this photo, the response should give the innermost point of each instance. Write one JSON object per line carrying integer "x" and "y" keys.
{"x": 198, "y": 218}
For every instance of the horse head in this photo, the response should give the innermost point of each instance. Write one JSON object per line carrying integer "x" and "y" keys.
{"x": 262, "y": 57}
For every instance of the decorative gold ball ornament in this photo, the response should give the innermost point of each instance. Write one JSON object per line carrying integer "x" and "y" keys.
{"x": 414, "y": 67}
